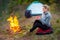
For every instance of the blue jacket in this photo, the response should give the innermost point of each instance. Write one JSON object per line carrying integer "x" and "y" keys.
{"x": 46, "y": 18}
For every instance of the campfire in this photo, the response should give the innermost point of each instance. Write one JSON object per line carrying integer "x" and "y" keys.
{"x": 14, "y": 24}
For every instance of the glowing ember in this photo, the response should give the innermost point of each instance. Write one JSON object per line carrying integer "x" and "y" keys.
{"x": 14, "y": 24}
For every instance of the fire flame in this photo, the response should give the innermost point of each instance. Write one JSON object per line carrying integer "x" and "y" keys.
{"x": 14, "y": 24}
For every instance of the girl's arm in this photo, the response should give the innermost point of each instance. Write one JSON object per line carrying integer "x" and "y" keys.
{"x": 46, "y": 19}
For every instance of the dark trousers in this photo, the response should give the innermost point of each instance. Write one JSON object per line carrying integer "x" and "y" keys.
{"x": 38, "y": 23}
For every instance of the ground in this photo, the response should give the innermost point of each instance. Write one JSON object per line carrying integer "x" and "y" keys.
{"x": 26, "y": 24}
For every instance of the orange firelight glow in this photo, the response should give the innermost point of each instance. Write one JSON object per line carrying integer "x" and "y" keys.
{"x": 14, "y": 24}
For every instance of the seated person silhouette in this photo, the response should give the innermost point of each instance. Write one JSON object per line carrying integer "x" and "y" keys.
{"x": 43, "y": 24}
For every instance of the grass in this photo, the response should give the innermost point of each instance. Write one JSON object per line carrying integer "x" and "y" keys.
{"x": 27, "y": 24}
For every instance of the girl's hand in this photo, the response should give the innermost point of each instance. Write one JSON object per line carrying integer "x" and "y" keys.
{"x": 38, "y": 17}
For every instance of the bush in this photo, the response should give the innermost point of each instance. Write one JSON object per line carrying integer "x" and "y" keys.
{"x": 57, "y": 21}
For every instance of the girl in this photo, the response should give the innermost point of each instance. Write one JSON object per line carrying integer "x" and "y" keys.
{"x": 44, "y": 22}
